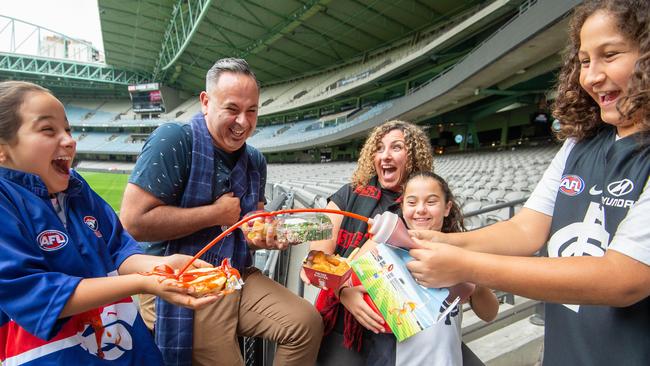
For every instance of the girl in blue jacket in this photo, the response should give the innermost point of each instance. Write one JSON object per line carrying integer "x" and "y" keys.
{"x": 67, "y": 268}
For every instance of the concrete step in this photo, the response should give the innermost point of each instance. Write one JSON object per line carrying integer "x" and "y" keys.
{"x": 474, "y": 328}
{"x": 517, "y": 344}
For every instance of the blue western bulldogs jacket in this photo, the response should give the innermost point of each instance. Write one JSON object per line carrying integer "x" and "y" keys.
{"x": 41, "y": 263}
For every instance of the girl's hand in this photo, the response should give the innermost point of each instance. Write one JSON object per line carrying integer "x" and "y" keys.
{"x": 428, "y": 235}
{"x": 178, "y": 261}
{"x": 352, "y": 299}
{"x": 178, "y": 295}
{"x": 438, "y": 265}
{"x": 463, "y": 290}
{"x": 170, "y": 292}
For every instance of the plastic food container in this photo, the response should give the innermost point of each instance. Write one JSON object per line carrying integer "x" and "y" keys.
{"x": 303, "y": 227}
{"x": 324, "y": 270}
{"x": 291, "y": 229}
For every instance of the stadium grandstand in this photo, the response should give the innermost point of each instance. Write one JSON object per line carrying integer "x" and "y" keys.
{"x": 477, "y": 75}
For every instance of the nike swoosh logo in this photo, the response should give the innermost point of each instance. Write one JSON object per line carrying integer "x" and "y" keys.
{"x": 594, "y": 192}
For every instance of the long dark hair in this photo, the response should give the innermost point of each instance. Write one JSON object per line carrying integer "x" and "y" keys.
{"x": 12, "y": 95}
{"x": 452, "y": 223}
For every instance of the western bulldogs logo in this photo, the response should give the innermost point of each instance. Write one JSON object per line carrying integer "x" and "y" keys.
{"x": 91, "y": 222}
{"x": 111, "y": 335}
{"x": 572, "y": 185}
{"x": 50, "y": 240}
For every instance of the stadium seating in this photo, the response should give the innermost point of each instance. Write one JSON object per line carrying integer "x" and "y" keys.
{"x": 329, "y": 84}
{"x": 311, "y": 129}
{"x": 478, "y": 180}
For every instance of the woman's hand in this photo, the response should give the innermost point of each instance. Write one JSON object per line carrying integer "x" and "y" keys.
{"x": 352, "y": 299}
{"x": 305, "y": 279}
{"x": 438, "y": 265}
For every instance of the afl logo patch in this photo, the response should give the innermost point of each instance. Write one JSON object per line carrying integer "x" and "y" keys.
{"x": 50, "y": 240}
{"x": 571, "y": 185}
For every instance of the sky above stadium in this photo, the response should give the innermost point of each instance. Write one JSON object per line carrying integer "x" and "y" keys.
{"x": 73, "y": 18}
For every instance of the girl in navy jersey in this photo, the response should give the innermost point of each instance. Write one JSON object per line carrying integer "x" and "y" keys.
{"x": 591, "y": 208}
{"x": 67, "y": 268}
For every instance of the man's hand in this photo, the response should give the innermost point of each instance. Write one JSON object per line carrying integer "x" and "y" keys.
{"x": 438, "y": 265}
{"x": 266, "y": 239}
{"x": 227, "y": 209}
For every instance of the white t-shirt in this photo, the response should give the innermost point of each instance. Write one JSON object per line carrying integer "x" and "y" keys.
{"x": 436, "y": 345}
{"x": 633, "y": 235}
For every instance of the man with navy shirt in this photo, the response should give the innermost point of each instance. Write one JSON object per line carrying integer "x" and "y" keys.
{"x": 190, "y": 183}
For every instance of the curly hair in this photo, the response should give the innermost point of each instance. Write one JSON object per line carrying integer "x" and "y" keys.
{"x": 454, "y": 222}
{"x": 418, "y": 149}
{"x": 578, "y": 113}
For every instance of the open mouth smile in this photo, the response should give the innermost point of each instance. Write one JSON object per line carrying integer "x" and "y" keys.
{"x": 62, "y": 164}
{"x": 607, "y": 98}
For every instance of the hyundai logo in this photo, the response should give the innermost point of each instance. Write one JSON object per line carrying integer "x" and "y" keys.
{"x": 620, "y": 188}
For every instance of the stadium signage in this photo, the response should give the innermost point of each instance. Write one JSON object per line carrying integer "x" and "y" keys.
{"x": 144, "y": 87}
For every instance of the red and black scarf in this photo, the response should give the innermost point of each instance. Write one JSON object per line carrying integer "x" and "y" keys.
{"x": 352, "y": 234}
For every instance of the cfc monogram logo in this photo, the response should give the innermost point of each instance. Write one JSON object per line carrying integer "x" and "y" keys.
{"x": 581, "y": 238}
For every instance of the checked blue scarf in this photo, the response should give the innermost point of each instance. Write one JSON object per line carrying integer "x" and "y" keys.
{"x": 174, "y": 326}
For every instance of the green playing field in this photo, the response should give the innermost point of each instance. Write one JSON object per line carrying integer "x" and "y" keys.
{"x": 110, "y": 186}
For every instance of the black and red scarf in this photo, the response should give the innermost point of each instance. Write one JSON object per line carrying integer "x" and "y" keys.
{"x": 353, "y": 233}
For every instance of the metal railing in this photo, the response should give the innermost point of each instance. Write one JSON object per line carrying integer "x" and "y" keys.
{"x": 260, "y": 352}
{"x": 257, "y": 351}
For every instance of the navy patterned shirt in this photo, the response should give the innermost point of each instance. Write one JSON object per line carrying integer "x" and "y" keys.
{"x": 163, "y": 168}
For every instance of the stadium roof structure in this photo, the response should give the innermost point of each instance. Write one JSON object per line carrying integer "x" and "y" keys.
{"x": 66, "y": 65}
{"x": 178, "y": 40}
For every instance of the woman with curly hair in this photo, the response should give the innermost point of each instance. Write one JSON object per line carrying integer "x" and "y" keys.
{"x": 591, "y": 208}
{"x": 354, "y": 332}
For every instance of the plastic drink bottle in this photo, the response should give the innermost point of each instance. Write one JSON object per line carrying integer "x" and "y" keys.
{"x": 388, "y": 228}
